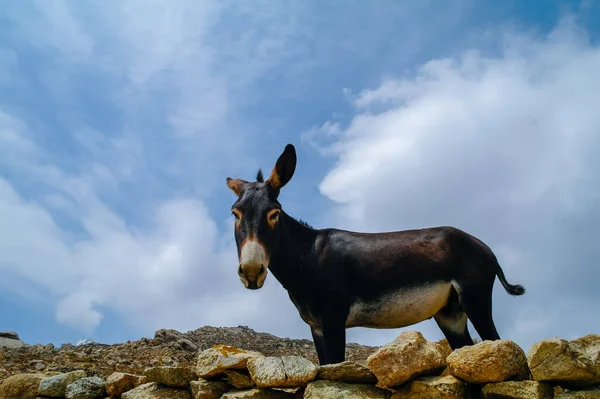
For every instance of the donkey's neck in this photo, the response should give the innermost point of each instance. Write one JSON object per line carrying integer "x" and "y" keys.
{"x": 294, "y": 258}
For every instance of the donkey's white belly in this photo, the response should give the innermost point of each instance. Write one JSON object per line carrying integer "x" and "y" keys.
{"x": 401, "y": 308}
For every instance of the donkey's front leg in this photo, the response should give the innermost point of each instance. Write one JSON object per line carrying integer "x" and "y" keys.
{"x": 317, "y": 335}
{"x": 334, "y": 338}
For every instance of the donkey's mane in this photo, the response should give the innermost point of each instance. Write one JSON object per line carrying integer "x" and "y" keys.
{"x": 302, "y": 222}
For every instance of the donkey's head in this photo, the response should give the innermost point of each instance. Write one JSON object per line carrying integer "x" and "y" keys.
{"x": 256, "y": 213}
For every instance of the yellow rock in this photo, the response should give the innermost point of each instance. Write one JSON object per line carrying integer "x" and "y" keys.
{"x": 20, "y": 386}
{"x": 447, "y": 387}
{"x": 409, "y": 356}
{"x": 488, "y": 361}
{"x": 518, "y": 390}
{"x": 216, "y": 360}
{"x": 575, "y": 362}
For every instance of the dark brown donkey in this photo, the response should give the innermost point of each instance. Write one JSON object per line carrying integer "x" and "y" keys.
{"x": 339, "y": 279}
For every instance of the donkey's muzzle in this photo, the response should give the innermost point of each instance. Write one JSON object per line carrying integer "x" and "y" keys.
{"x": 253, "y": 264}
{"x": 253, "y": 276}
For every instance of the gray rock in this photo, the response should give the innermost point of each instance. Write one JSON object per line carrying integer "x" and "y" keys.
{"x": 187, "y": 345}
{"x": 9, "y": 334}
{"x": 281, "y": 372}
{"x": 86, "y": 388}
{"x": 10, "y": 339}
{"x": 56, "y": 386}
{"x": 155, "y": 391}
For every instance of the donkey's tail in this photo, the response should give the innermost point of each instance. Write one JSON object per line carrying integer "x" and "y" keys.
{"x": 516, "y": 289}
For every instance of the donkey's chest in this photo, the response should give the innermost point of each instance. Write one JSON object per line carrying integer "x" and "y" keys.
{"x": 400, "y": 308}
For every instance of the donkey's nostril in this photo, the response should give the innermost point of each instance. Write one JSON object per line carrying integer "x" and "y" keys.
{"x": 262, "y": 269}
{"x": 240, "y": 271}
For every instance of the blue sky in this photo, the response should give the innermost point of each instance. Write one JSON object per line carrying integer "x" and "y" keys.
{"x": 119, "y": 123}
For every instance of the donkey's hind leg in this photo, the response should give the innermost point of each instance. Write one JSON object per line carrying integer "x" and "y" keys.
{"x": 476, "y": 300}
{"x": 452, "y": 320}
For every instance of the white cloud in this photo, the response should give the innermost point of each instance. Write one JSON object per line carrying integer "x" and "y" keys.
{"x": 178, "y": 272}
{"x": 96, "y": 219}
{"x": 503, "y": 147}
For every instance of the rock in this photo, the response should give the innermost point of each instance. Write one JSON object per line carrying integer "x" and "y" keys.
{"x": 56, "y": 386}
{"x": 141, "y": 379}
{"x": 517, "y": 390}
{"x": 258, "y": 394}
{"x": 447, "y": 387}
{"x": 9, "y": 334}
{"x": 214, "y": 361}
{"x": 176, "y": 377}
{"x": 10, "y": 339}
{"x": 297, "y": 390}
{"x": 239, "y": 379}
{"x": 187, "y": 344}
{"x": 282, "y": 372}
{"x": 208, "y": 389}
{"x": 409, "y": 356}
{"x": 446, "y": 349}
{"x": 167, "y": 335}
{"x": 488, "y": 361}
{"x": 324, "y": 389}
{"x": 560, "y": 393}
{"x": 153, "y": 390}
{"x": 350, "y": 372}
{"x": 86, "y": 388}
{"x": 575, "y": 363}
{"x": 166, "y": 349}
{"x": 20, "y": 386}
{"x": 445, "y": 346}
{"x": 117, "y": 383}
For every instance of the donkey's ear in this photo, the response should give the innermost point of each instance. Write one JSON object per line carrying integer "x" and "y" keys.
{"x": 284, "y": 169}
{"x": 236, "y": 185}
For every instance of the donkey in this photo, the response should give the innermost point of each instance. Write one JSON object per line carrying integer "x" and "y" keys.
{"x": 340, "y": 279}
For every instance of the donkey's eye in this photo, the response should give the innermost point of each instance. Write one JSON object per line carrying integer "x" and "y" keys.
{"x": 273, "y": 216}
{"x": 236, "y": 215}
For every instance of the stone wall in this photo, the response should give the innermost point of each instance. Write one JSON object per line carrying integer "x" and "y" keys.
{"x": 408, "y": 367}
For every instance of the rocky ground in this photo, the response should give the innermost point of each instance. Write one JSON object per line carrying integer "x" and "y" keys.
{"x": 166, "y": 348}
{"x": 409, "y": 367}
